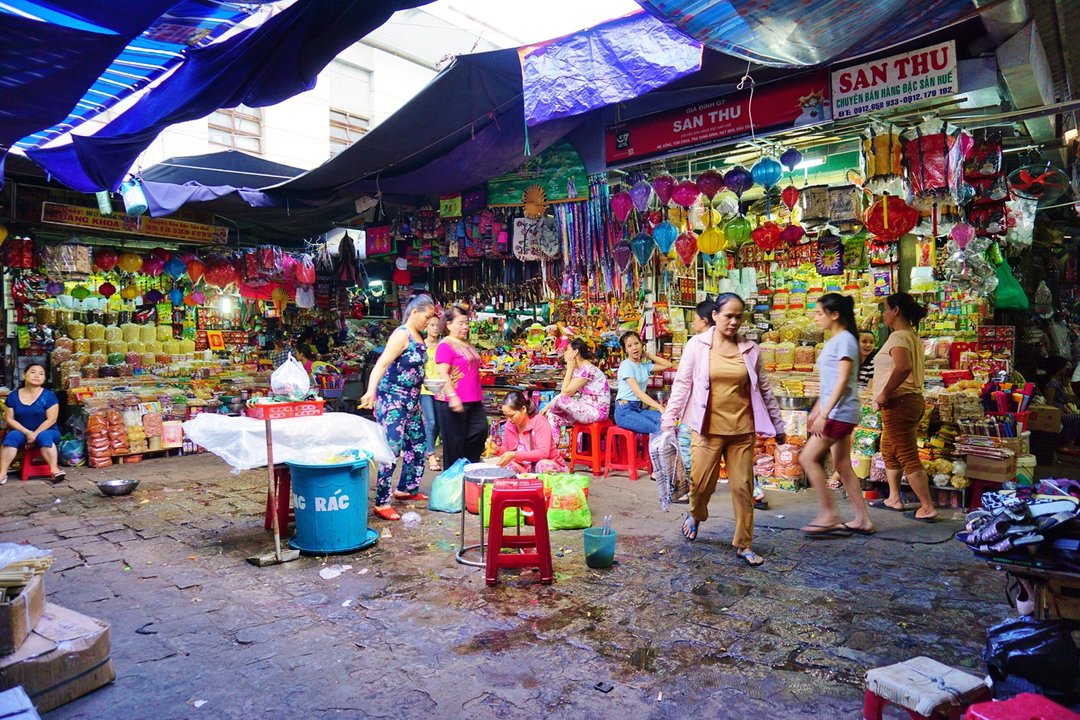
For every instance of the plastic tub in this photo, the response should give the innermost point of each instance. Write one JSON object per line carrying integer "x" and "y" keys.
{"x": 599, "y": 548}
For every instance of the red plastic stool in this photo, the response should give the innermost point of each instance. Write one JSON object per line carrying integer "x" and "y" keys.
{"x": 1028, "y": 706}
{"x": 628, "y": 458}
{"x": 522, "y": 494}
{"x": 924, "y": 688}
{"x": 593, "y": 456}
{"x": 33, "y": 465}
{"x": 285, "y": 513}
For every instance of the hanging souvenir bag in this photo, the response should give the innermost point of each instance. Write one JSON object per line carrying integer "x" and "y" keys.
{"x": 526, "y": 246}
{"x": 473, "y": 201}
{"x": 830, "y": 256}
{"x": 549, "y": 241}
{"x": 378, "y": 240}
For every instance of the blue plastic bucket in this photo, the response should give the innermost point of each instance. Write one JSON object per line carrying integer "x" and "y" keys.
{"x": 599, "y": 548}
{"x": 331, "y": 506}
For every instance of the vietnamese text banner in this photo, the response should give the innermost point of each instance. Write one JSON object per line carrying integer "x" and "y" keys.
{"x": 894, "y": 81}
{"x": 179, "y": 230}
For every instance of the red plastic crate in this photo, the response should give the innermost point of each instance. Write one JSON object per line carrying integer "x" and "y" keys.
{"x": 1025, "y": 705}
{"x": 281, "y": 411}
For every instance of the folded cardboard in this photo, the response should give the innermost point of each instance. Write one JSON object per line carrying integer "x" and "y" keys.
{"x": 65, "y": 657}
{"x": 1044, "y": 418}
{"x": 19, "y": 615}
{"x": 992, "y": 469}
{"x": 16, "y": 705}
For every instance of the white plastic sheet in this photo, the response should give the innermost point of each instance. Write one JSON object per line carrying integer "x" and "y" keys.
{"x": 241, "y": 441}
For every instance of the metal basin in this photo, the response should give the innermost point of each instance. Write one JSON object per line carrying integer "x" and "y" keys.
{"x": 112, "y": 488}
{"x": 434, "y": 385}
{"x": 788, "y": 402}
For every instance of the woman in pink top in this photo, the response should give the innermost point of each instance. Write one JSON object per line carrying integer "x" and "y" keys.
{"x": 585, "y": 396}
{"x": 721, "y": 391}
{"x": 528, "y": 444}
{"x": 460, "y": 406}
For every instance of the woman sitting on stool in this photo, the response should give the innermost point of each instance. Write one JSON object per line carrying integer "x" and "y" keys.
{"x": 585, "y": 396}
{"x": 632, "y": 401}
{"x": 528, "y": 445}
{"x": 31, "y": 417}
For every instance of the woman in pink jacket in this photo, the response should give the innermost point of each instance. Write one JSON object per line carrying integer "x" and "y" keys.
{"x": 528, "y": 440}
{"x": 722, "y": 393}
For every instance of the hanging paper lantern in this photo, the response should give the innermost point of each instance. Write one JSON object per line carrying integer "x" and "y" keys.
{"x": 890, "y": 217}
{"x": 219, "y": 272}
{"x": 643, "y": 248}
{"x": 790, "y": 159}
{"x": 962, "y": 234}
{"x": 623, "y": 254}
{"x": 130, "y": 262}
{"x": 153, "y": 297}
{"x": 737, "y": 230}
{"x": 664, "y": 234}
{"x": 176, "y": 296}
{"x": 792, "y": 234}
{"x": 685, "y": 193}
{"x": 767, "y": 172}
{"x": 738, "y": 180}
{"x": 790, "y": 196}
{"x": 199, "y": 297}
{"x": 640, "y": 194}
{"x": 53, "y": 288}
{"x": 709, "y": 183}
{"x": 712, "y": 241}
{"x": 621, "y": 205}
{"x": 129, "y": 293}
{"x": 767, "y": 237}
{"x": 881, "y": 159}
{"x": 161, "y": 253}
{"x": 196, "y": 268}
{"x": 189, "y": 300}
{"x": 80, "y": 293}
{"x": 686, "y": 247}
{"x": 662, "y": 186}
{"x": 934, "y": 153}
{"x": 105, "y": 259}
{"x": 726, "y": 203}
{"x": 153, "y": 266}
{"x": 175, "y": 268}
{"x": 106, "y": 290}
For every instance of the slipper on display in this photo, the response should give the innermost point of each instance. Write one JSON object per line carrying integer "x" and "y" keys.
{"x": 858, "y": 531}
{"x": 880, "y": 505}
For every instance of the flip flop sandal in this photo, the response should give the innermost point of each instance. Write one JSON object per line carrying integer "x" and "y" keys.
{"x": 59, "y": 477}
{"x": 1042, "y": 508}
{"x": 858, "y": 531}
{"x": 388, "y": 513}
{"x": 1049, "y": 523}
{"x": 409, "y": 498}
{"x": 928, "y": 520}
{"x": 689, "y": 529}
{"x": 880, "y": 505}
{"x": 826, "y": 531}
{"x": 750, "y": 557}
{"x": 1028, "y": 539}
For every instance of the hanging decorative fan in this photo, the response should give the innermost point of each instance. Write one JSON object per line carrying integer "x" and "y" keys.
{"x": 535, "y": 201}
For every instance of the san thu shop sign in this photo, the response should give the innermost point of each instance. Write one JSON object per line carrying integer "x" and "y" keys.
{"x": 782, "y": 105}
{"x": 897, "y": 80}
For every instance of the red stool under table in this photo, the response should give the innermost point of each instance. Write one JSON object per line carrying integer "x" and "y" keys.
{"x": 592, "y": 435}
{"x": 33, "y": 465}
{"x": 632, "y": 456}
{"x": 522, "y": 494}
{"x": 284, "y": 501}
{"x": 1028, "y": 706}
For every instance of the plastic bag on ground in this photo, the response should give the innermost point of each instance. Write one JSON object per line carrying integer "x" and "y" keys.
{"x": 447, "y": 489}
{"x": 291, "y": 380}
{"x": 569, "y": 506}
{"x": 1040, "y": 651}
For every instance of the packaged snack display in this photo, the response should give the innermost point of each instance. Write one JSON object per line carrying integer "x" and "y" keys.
{"x": 164, "y": 332}
{"x": 75, "y": 330}
{"x": 95, "y": 331}
{"x": 113, "y": 333}
{"x": 131, "y": 332}
{"x": 148, "y": 333}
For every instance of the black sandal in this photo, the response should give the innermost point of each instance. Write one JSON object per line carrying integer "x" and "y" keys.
{"x": 59, "y": 477}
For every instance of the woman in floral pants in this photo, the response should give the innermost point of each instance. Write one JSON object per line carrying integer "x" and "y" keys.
{"x": 394, "y": 391}
{"x": 585, "y": 397}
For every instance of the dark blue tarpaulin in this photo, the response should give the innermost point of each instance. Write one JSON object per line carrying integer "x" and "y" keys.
{"x": 790, "y": 33}
{"x": 260, "y": 67}
{"x": 608, "y": 64}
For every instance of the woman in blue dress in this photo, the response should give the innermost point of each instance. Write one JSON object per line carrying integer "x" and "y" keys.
{"x": 32, "y": 412}
{"x": 394, "y": 392}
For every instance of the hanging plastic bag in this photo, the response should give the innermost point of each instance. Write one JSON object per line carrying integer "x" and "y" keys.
{"x": 447, "y": 489}
{"x": 1009, "y": 295}
{"x": 1040, "y": 651}
{"x": 291, "y": 380}
{"x": 569, "y": 506}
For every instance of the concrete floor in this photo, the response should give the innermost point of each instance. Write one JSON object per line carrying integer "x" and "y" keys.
{"x": 677, "y": 629}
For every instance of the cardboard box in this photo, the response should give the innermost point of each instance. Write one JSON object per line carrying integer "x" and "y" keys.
{"x": 981, "y": 468}
{"x": 65, "y": 657}
{"x": 1044, "y": 418}
{"x": 16, "y": 705}
{"x": 19, "y": 615}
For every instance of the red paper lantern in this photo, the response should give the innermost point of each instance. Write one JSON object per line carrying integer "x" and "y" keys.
{"x": 768, "y": 236}
{"x": 686, "y": 247}
{"x": 195, "y": 269}
{"x": 890, "y": 217}
{"x": 107, "y": 290}
{"x": 792, "y": 234}
{"x": 790, "y": 196}
{"x": 219, "y": 272}
{"x": 105, "y": 259}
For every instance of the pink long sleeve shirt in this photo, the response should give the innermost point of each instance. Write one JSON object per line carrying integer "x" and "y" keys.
{"x": 690, "y": 390}
{"x": 532, "y": 444}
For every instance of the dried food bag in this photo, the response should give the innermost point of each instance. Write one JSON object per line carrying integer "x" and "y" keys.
{"x": 447, "y": 489}
{"x": 290, "y": 380}
{"x": 569, "y": 507}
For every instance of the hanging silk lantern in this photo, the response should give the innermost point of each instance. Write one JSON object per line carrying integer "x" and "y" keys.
{"x": 161, "y": 253}
{"x": 153, "y": 266}
{"x": 623, "y": 254}
{"x": 153, "y": 297}
{"x": 129, "y": 293}
{"x": 189, "y": 300}
{"x": 767, "y": 172}
{"x": 80, "y": 293}
{"x": 711, "y": 241}
{"x": 686, "y": 247}
{"x": 792, "y": 234}
{"x": 196, "y": 268}
{"x": 934, "y": 153}
{"x": 790, "y": 159}
{"x": 880, "y": 156}
{"x": 106, "y": 290}
{"x": 709, "y": 183}
{"x": 664, "y": 234}
{"x": 737, "y": 230}
{"x": 890, "y": 217}
{"x": 790, "y": 196}
{"x": 738, "y": 180}
{"x": 726, "y": 203}
{"x": 640, "y": 194}
{"x": 643, "y": 248}
{"x": 175, "y": 268}
{"x": 176, "y": 296}
{"x": 53, "y": 288}
{"x": 219, "y": 272}
{"x": 199, "y": 297}
{"x": 685, "y": 193}
{"x": 767, "y": 237}
{"x": 662, "y": 186}
{"x": 962, "y": 234}
{"x": 105, "y": 259}
{"x": 621, "y": 205}
{"x": 130, "y": 262}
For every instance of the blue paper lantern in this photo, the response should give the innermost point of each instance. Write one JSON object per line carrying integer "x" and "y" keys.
{"x": 643, "y": 247}
{"x": 175, "y": 268}
{"x": 664, "y": 234}
{"x": 767, "y": 172}
{"x": 176, "y": 296}
{"x": 790, "y": 159}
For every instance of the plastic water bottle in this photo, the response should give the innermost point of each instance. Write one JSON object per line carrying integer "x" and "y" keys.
{"x": 607, "y": 524}
{"x": 411, "y": 520}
